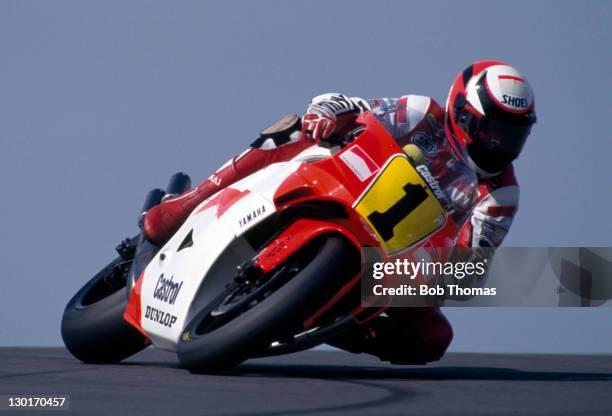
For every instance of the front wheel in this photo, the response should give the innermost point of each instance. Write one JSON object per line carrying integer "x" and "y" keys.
{"x": 245, "y": 320}
{"x": 93, "y": 328}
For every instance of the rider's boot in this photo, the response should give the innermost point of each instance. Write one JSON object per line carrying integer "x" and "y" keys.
{"x": 404, "y": 336}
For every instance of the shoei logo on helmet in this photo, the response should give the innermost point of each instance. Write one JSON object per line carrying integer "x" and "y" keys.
{"x": 508, "y": 88}
{"x": 514, "y": 101}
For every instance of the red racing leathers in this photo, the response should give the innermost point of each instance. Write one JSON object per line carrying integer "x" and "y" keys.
{"x": 405, "y": 335}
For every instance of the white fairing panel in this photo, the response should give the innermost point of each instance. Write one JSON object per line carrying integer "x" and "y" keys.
{"x": 172, "y": 279}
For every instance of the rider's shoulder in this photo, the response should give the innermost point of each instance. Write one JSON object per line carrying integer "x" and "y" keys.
{"x": 422, "y": 105}
{"x": 503, "y": 187}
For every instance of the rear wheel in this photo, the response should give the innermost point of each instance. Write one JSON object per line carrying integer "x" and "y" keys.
{"x": 93, "y": 328}
{"x": 245, "y": 319}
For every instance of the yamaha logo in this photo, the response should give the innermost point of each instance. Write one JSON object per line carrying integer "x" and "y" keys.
{"x": 251, "y": 216}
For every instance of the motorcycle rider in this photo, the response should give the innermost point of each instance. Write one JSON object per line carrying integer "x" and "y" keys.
{"x": 488, "y": 116}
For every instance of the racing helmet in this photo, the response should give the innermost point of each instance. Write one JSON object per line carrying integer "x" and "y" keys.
{"x": 489, "y": 114}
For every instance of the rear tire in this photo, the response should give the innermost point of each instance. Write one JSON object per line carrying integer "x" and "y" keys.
{"x": 93, "y": 328}
{"x": 334, "y": 264}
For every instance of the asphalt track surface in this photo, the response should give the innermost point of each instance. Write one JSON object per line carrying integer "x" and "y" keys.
{"x": 316, "y": 382}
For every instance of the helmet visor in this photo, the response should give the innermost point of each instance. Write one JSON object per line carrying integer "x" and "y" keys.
{"x": 497, "y": 136}
{"x": 495, "y": 144}
{"x": 491, "y": 162}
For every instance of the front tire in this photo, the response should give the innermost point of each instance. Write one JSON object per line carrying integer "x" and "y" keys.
{"x": 334, "y": 262}
{"x": 93, "y": 328}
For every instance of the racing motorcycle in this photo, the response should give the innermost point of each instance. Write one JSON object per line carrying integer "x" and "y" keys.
{"x": 269, "y": 265}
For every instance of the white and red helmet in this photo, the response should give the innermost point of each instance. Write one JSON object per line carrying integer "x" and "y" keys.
{"x": 489, "y": 114}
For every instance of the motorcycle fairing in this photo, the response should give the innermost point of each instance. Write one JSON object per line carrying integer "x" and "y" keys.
{"x": 201, "y": 249}
{"x": 171, "y": 281}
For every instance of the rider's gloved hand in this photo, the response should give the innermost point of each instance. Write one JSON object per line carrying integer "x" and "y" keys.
{"x": 318, "y": 124}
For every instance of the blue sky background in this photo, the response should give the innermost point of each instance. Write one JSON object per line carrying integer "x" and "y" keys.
{"x": 102, "y": 100}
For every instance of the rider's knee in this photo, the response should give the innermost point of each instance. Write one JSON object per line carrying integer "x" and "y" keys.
{"x": 435, "y": 342}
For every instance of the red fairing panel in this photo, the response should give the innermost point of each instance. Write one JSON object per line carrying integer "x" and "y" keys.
{"x": 132, "y": 312}
{"x": 295, "y": 237}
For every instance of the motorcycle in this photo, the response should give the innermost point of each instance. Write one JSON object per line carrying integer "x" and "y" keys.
{"x": 269, "y": 265}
